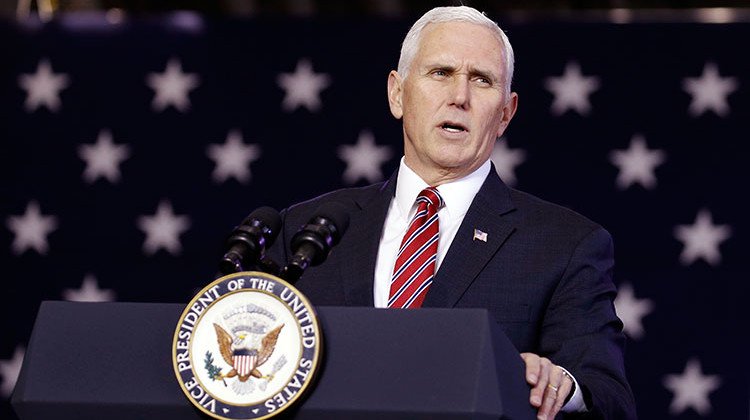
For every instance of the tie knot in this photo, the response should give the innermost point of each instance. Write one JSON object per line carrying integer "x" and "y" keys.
{"x": 431, "y": 196}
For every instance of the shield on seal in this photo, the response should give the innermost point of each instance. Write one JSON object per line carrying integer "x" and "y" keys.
{"x": 244, "y": 361}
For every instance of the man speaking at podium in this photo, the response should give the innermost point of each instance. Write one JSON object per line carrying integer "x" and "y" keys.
{"x": 444, "y": 231}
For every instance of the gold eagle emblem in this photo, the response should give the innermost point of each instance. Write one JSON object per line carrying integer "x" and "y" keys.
{"x": 231, "y": 347}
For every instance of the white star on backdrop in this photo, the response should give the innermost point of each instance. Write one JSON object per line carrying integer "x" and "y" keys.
{"x": 691, "y": 389}
{"x": 303, "y": 87}
{"x": 89, "y": 292}
{"x": 709, "y": 91}
{"x": 233, "y": 158}
{"x": 637, "y": 164}
{"x": 172, "y": 87}
{"x": 163, "y": 229}
{"x": 364, "y": 159}
{"x": 103, "y": 158}
{"x": 9, "y": 370}
{"x": 631, "y": 310}
{"x": 43, "y": 87}
{"x": 571, "y": 90}
{"x": 506, "y": 160}
{"x": 31, "y": 229}
{"x": 702, "y": 239}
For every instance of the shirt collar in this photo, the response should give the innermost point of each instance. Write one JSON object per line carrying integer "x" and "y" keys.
{"x": 457, "y": 195}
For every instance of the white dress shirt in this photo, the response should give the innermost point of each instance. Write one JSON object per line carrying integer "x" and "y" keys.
{"x": 457, "y": 196}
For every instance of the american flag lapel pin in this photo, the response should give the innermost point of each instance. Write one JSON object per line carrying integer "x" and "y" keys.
{"x": 480, "y": 236}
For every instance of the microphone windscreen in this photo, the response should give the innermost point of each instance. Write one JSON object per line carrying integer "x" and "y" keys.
{"x": 267, "y": 216}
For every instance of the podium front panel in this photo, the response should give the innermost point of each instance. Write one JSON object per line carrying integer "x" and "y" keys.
{"x": 113, "y": 360}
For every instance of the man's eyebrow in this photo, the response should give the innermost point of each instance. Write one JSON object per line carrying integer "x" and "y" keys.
{"x": 444, "y": 67}
{"x": 473, "y": 71}
{"x": 484, "y": 74}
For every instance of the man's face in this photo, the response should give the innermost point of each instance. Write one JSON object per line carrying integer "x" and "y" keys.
{"x": 453, "y": 102}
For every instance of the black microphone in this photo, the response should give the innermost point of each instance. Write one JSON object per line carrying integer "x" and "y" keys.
{"x": 312, "y": 244}
{"x": 248, "y": 242}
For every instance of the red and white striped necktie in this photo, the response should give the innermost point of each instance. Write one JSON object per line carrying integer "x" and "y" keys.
{"x": 415, "y": 261}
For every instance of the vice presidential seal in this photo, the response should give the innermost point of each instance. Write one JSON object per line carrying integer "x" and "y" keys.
{"x": 246, "y": 347}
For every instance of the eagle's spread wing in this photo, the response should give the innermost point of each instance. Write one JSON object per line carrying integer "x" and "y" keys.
{"x": 268, "y": 344}
{"x": 225, "y": 343}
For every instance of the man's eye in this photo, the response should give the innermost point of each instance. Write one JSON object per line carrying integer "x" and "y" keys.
{"x": 439, "y": 73}
{"x": 484, "y": 81}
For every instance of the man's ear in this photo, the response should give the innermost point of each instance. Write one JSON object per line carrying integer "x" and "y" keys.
{"x": 394, "y": 94}
{"x": 509, "y": 110}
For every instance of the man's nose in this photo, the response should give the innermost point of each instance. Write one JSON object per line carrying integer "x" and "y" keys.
{"x": 461, "y": 92}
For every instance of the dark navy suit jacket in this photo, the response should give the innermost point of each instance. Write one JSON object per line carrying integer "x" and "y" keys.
{"x": 544, "y": 273}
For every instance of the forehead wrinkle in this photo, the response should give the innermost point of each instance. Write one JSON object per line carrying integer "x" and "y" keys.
{"x": 439, "y": 64}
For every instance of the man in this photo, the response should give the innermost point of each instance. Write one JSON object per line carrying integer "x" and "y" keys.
{"x": 542, "y": 271}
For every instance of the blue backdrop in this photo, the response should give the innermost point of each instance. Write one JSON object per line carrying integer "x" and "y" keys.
{"x": 129, "y": 148}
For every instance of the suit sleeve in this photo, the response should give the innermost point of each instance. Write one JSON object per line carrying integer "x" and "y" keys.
{"x": 582, "y": 333}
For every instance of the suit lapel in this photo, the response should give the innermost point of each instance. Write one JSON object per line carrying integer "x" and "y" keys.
{"x": 363, "y": 239}
{"x": 467, "y": 256}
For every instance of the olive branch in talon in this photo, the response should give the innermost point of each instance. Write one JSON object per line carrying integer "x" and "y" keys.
{"x": 214, "y": 372}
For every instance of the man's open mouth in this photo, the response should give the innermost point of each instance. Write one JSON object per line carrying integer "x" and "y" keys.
{"x": 453, "y": 127}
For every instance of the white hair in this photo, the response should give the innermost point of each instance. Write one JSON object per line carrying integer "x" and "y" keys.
{"x": 452, "y": 14}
